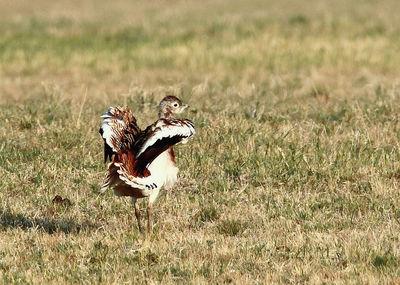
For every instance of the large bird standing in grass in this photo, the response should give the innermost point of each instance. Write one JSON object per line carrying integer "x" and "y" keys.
{"x": 143, "y": 161}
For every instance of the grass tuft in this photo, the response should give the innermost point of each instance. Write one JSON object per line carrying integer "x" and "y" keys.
{"x": 232, "y": 227}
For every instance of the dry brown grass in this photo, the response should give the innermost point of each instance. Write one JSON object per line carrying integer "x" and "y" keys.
{"x": 292, "y": 178}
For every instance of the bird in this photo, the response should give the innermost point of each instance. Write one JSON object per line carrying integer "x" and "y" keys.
{"x": 141, "y": 162}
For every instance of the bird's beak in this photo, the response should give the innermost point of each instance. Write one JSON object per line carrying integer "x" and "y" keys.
{"x": 184, "y": 107}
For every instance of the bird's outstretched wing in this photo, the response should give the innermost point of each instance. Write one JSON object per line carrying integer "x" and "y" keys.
{"x": 159, "y": 137}
{"x": 118, "y": 130}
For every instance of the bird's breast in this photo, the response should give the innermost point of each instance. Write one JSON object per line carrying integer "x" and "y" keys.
{"x": 164, "y": 170}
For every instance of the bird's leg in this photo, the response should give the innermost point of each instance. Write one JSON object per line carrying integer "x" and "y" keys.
{"x": 152, "y": 198}
{"x": 137, "y": 213}
{"x": 149, "y": 219}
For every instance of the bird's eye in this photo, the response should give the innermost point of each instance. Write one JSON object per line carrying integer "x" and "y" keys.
{"x": 175, "y": 105}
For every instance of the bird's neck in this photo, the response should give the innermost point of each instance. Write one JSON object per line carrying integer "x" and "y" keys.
{"x": 165, "y": 114}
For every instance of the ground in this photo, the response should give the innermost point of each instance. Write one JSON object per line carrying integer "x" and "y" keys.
{"x": 293, "y": 176}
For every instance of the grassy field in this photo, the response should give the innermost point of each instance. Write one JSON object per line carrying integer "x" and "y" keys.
{"x": 293, "y": 176}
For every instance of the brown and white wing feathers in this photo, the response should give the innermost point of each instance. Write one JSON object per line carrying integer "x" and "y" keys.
{"x": 142, "y": 183}
{"x": 176, "y": 130}
{"x": 160, "y": 136}
{"x": 118, "y": 130}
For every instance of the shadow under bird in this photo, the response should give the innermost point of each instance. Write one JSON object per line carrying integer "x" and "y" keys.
{"x": 143, "y": 161}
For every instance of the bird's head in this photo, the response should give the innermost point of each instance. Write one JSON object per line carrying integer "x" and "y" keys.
{"x": 170, "y": 106}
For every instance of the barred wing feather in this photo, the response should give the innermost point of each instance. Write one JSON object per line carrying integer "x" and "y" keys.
{"x": 160, "y": 136}
{"x": 118, "y": 130}
{"x": 175, "y": 130}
